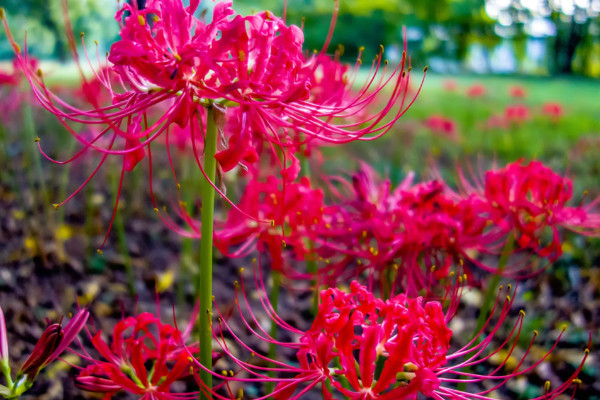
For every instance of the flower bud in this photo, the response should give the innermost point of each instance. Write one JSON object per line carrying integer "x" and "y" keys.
{"x": 42, "y": 351}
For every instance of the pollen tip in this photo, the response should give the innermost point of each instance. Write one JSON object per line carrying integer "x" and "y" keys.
{"x": 17, "y": 49}
{"x": 241, "y": 270}
{"x": 425, "y": 69}
{"x": 37, "y": 139}
{"x": 535, "y": 333}
{"x": 55, "y": 205}
{"x": 2, "y": 13}
{"x": 96, "y": 42}
{"x": 381, "y": 48}
{"x": 361, "y": 49}
{"x": 587, "y": 351}
{"x": 224, "y": 372}
{"x": 156, "y": 209}
{"x": 283, "y": 244}
{"x": 236, "y": 284}
{"x": 577, "y": 381}
{"x": 272, "y": 222}
{"x": 212, "y": 298}
{"x": 99, "y": 251}
{"x": 39, "y": 72}
{"x": 179, "y": 186}
{"x": 522, "y": 313}
{"x": 547, "y": 385}
{"x": 81, "y": 34}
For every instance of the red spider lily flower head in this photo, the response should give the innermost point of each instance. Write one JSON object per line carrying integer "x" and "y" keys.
{"x": 530, "y": 200}
{"x": 362, "y": 347}
{"x": 172, "y": 67}
{"x": 516, "y": 114}
{"x": 294, "y": 209}
{"x": 476, "y": 90}
{"x": 415, "y": 233}
{"x": 517, "y": 92}
{"x": 442, "y": 126}
{"x": 450, "y": 85}
{"x": 145, "y": 358}
{"x": 553, "y": 110}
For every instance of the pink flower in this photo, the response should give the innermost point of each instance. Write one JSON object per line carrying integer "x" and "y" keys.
{"x": 517, "y": 92}
{"x": 171, "y": 67}
{"x": 553, "y": 110}
{"x": 516, "y": 114}
{"x": 144, "y": 358}
{"x": 362, "y": 347}
{"x": 294, "y": 209}
{"x": 527, "y": 200}
{"x": 476, "y": 90}
{"x": 450, "y": 85}
{"x": 441, "y": 125}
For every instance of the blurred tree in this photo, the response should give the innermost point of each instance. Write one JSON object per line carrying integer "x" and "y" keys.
{"x": 90, "y": 16}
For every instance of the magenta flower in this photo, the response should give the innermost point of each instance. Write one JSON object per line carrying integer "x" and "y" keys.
{"x": 476, "y": 90}
{"x": 294, "y": 209}
{"x": 553, "y": 110}
{"x": 530, "y": 201}
{"x": 442, "y": 126}
{"x": 362, "y": 347}
{"x": 517, "y": 92}
{"x": 144, "y": 358}
{"x": 516, "y": 114}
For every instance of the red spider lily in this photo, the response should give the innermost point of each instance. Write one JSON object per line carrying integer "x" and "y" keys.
{"x": 145, "y": 358}
{"x": 295, "y": 209}
{"x": 362, "y": 347}
{"x": 496, "y": 121}
{"x": 527, "y": 200}
{"x": 516, "y": 114}
{"x": 54, "y": 341}
{"x": 167, "y": 60}
{"x": 442, "y": 126}
{"x": 416, "y": 233}
{"x": 517, "y": 92}
{"x": 553, "y": 110}
{"x": 476, "y": 90}
{"x": 450, "y": 85}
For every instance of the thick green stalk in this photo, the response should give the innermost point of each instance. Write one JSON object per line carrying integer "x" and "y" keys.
{"x": 204, "y": 293}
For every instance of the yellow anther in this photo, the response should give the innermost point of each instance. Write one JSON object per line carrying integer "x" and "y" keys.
{"x": 547, "y": 386}
{"x": 155, "y": 18}
{"x": 82, "y": 34}
{"x": 241, "y": 55}
{"x": 465, "y": 277}
{"x": 240, "y": 394}
{"x": 522, "y": 313}
{"x": 39, "y": 72}
{"x": 212, "y": 298}
{"x": 432, "y": 268}
{"x": 564, "y": 327}
{"x": 236, "y": 284}
{"x": 577, "y": 381}
{"x": 224, "y": 372}
{"x": 267, "y": 15}
{"x": 508, "y": 287}
{"x": 241, "y": 270}
{"x": 190, "y": 359}
{"x": 328, "y": 226}
{"x": 425, "y": 69}
{"x": 156, "y": 209}
{"x": 141, "y": 20}
{"x": 254, "y": 261}
{"x": 381, "y": 48}
{"x": 500, "y": 287}
{"x": 587, "y": 351}
{"x": 2, "y": 13}
{"x": 507, "y": 298}
{"x": 179, "y": 186}
{"x": 231, "y": 373}
{"x": 17, "y": 48}
{"x": 99, "y": 251}
{"x": 386, "y": 62}
{"x": 55, "y": 206}
{"x": 96, "y": 42}
{"x": 361, "y": 49}
{"x": 283, "y": 244}
{"x": 451, "y": 274}
{"x": 37, "y": 139}
{"x": 177, "y": 57}
{"x": 272, "y": 222}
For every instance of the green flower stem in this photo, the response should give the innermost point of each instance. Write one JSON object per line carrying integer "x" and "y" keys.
{"x": 204, "y": 293}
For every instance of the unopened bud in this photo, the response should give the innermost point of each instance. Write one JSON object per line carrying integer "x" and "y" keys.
{"x": 43, "y": 349}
